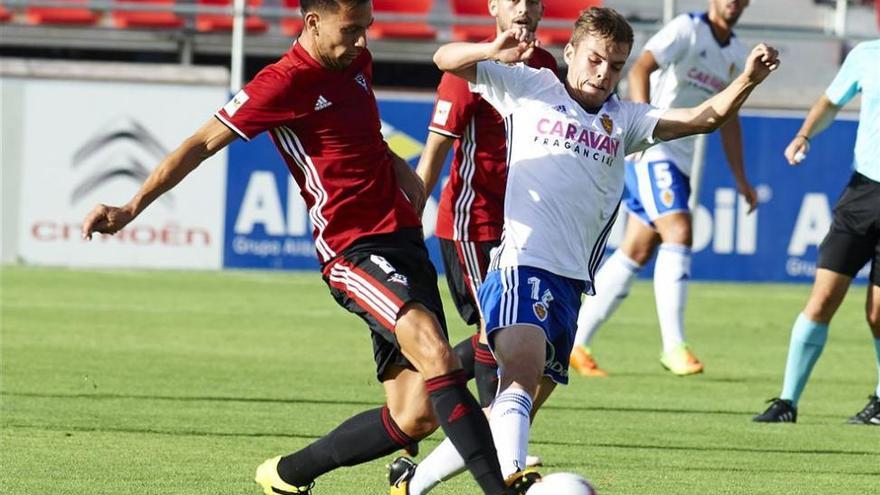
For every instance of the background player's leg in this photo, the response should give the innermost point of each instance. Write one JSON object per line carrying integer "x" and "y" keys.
{"x": 423, "y": 343}
{"x": 613, "y": 283}
{"x": 521, "y": 354}
{"x": 369, "y": 435}
{"x": 873, "y": 315}
{"x": 615, "y": 277}
{"x": 671, "y": 275}
{"x": 810, "y": 331}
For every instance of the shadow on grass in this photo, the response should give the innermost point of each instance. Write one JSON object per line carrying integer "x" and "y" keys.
{"x": 299, "y": 400}
{"x": 746, "y": 470}
{"x": 704, "y": 448}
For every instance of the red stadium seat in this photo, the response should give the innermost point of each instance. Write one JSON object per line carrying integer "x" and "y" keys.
{"x": 5, "y": 15}
{"x": 61, "y": 15}
{"x": 565, "y": 11}
{"x": 407, "y": 30}
{"x": 223, "y": 22}
{"x": 146, "y": 18}
{"x": 473, "y": 32}
{"x": 291, "y": 26}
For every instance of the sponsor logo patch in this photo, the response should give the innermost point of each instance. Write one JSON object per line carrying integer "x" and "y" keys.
{"x": 441, "y": 112}
{"x": 235, "y": 103}
{"x": 399, "y": 278}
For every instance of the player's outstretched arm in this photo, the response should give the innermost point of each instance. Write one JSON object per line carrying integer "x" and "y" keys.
{"x": 433, "y": 157}
{"x": 714, "y": 112}
{"x": 821, "y": 115}
{"x": 514, "y": 45}
{"x": 209, "y": 139}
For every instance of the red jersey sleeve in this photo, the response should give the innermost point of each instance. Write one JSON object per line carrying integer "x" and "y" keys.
{"x": 544, "y": 59}
{"x": 454, "y": 106}
{"x": 264, "y": 103}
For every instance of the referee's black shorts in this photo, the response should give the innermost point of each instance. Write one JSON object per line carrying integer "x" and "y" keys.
{"x": 466, "y": 263}
{"x": 376, "y": 277}
{"x": 854, "y": 237}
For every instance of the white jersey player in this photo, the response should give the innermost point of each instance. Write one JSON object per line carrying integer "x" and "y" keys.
{"x": 692, "y": 58}
{"x": 566, "y": 147}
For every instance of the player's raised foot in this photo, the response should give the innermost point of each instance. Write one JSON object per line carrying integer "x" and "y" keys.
{"x": 272, "y": 484}
{"x": 582, "y": 361}
{"x": 780, "y": 411}
{"x": 870, "y": 415}
{"x": 400, "y": 471}
{"x": 519, "y": 482}
{"x": 681, "y": 361}
{"x": 533, "y": 461}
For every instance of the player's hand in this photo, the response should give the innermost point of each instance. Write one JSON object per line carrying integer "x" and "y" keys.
{"x": 106, "y": 220}
{"x": 761, "y": 62}
{"x": 797, "y": 150}
{"x": 517, "y": 44}
{"x": 749, "y": 194}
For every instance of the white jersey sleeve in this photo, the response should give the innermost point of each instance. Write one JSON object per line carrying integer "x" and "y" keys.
{"x": 508, "y": 87}
{"x": 641, "y": 119}
{"x": 672, "y": 42}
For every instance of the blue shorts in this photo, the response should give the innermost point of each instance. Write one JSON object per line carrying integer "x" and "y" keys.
{"x": 655, "y": 188}
{"x": 532, "y": 296}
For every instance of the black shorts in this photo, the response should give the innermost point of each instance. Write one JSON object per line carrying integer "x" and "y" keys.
{"x": 854, "y": 237}
{"x": 466, "y": 263}
{"x": 376, "y": 277}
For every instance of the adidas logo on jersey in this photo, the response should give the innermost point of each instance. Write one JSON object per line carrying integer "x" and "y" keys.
{"x": 322, "y": 103}
{"x": 560, "y": 108}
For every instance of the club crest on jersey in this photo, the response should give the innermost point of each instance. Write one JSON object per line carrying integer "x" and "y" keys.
{"x": 362, "y": 80}
{"x": 667, "y": 197}
{"x": 607, "y": 123}
{"x": 540, "y": 310}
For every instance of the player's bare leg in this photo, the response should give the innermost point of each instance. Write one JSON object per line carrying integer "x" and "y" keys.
{"x": 521, "y": 354}
{"x": 422, "y": 342}
{"x": 808, "y": 337}
{"x": 613, "y": 282}
{"x": 672, "y": 272}
{"x": 870, "y": 414}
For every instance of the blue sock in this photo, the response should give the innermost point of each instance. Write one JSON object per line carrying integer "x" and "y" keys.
{"x": 807, "y": 341}
{"x": 877, "y": 348}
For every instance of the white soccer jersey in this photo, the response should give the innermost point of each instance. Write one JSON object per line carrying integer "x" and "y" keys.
{"x": 565, "y": 168}
{"x": 694, "y": 67}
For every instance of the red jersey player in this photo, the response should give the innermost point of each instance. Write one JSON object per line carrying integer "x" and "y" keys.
{"x": 318, "y": 104}
{"x": 470, "y": 216}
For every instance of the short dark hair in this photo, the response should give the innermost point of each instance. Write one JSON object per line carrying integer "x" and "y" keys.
{"x": 604, "y": 23}
{"x": 306, "y": 6}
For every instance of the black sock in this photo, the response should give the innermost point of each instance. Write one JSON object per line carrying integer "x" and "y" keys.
{"x": 465, "y": 350}
{"x": 464, "y": 423}
{"x": 486, "y": 374}
{"x": 369, "y": 435}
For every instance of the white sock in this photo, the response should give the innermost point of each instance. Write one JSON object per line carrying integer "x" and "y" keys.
{"x": 442, "y": 463}
{"x": 612, "y": 283}
{"x": 509, "y": 421}
{"x": 671, "y": 274}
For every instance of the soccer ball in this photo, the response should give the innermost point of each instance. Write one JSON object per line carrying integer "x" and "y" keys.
{"x": 562, "y": 484}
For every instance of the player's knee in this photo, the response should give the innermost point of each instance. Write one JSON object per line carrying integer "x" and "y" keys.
{"x": 873, "y": 318}
{"x": 416, "y": 421}
{"x": 678, "y": 233}
{"x": 819, "y": 309}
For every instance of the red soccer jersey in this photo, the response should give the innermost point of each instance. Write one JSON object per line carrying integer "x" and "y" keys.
{"x": 472, "y": 202}
{"x": 326, "y": 126}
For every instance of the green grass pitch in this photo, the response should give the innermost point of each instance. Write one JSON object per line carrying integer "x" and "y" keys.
{"x": 181, "y": 383}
